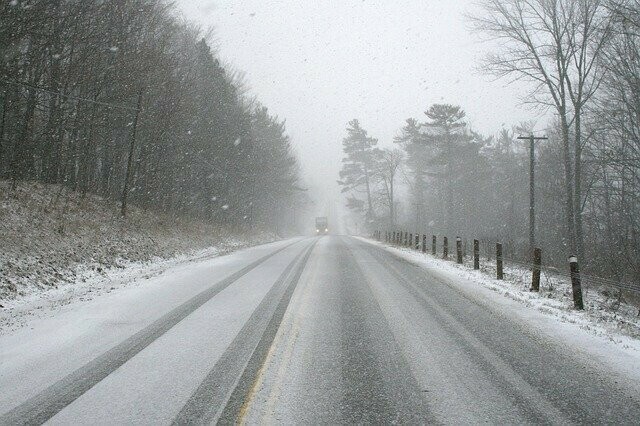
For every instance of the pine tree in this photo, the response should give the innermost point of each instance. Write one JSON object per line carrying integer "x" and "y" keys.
{"x": 359, "y": 164}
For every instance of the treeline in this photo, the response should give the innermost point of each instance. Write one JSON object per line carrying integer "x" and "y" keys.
{"x": 584, "y": 60}
{"x": 123, "y": 98}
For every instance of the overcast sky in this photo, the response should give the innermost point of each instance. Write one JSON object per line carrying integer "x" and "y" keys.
{"x": 319, "y": 64}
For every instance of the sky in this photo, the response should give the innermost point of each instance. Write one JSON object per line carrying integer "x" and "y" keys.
{"x": 319, "y": 64}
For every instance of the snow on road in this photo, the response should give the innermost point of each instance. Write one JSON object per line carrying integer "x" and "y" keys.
{"x": 319, "y": 330}
{"x": 583, "y": 332}
{"x": 52, "y": 346}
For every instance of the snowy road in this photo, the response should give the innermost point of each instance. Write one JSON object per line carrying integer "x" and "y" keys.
{"x": 317, "y": 330}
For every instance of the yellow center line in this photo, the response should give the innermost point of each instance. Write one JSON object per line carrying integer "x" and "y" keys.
{"x": 291, "y": 332}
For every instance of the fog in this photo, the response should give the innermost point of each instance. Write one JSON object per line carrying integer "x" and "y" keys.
{"x": 321, "y": 64}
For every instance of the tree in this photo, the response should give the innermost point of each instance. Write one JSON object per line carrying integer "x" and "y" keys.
{"x": 446, "y": 134}
{"x": 70, "y": 74}
{"x": 411, "y": 140}
{"x": 556, "y": 45}
{"x": 388, "y": 164}
{"x": 359, "y": 165}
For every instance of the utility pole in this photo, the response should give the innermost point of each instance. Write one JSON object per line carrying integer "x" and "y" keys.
{"x": 127, "y": 177}
{"x": 532, "y": 200}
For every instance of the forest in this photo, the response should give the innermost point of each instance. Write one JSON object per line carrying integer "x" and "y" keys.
{"x": 442, "y": 177}
{"x": 127, "y": 100}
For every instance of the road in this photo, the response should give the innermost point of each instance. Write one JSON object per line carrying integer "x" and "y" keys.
{"x": 328, "y": 330}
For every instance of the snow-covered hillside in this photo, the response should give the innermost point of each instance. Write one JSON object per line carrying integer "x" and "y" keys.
{"x": 53, "y": 237}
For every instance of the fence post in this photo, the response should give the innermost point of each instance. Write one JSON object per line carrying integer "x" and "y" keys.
{"x": 424, "y": 243}
{"x": 499, "y": 271}
{"x": 459, "y": 250}
{"x": 433, "y": 245}
{"x": 445, "y": 248}
{"x": 476, "y": 254}
{"x": 537, "y": 262}
{"x": 417, "y": 245}
{"x": 410, "y": 241}
{"x": 576, "y": 286}
{"x": 406, "y": 235}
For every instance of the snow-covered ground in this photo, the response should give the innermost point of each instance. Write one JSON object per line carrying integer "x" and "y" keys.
{"x": 59, "y": 246}
{"x": 602, "y": 316}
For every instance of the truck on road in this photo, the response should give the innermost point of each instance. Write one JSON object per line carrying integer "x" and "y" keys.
{"x": 322, "y": 226}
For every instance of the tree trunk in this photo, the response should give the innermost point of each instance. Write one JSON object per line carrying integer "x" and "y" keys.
{"x": 568, "y": 173}
{"x": 391, "y": 201}
{"x": 577, "y": 193}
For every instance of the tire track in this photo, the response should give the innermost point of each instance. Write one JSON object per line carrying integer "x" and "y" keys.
{"x": 221, "y": 395}
{"x": 41, "y": 407}
{"x": 523, "y": 395}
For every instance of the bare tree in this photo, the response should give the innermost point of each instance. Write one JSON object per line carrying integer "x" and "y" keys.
{"x": 554, "y": 44}
{"x": 388, "y": 165}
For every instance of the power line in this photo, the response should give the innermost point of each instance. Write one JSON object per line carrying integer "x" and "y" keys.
{"x": 75, "y": 98}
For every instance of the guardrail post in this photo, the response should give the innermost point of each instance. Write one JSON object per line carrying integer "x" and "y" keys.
{"x": 576, "y": 286}
{"x": 459, "y": 250}
{"x": 499, "y": 271}
{"x": 537, "y": 262}
{"x": 424, "y": 243}
{"x": 445, "y": 248}
{"x": 476, "y": 254}
{"x": 433, "y": 245}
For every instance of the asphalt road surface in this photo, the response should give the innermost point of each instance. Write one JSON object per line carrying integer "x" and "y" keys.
{"x": 328, "y": 330}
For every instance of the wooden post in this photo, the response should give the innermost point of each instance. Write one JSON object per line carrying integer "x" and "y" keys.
{"x": 417, "y": 244}
{"x": 410, "y": 241}
{"x": 499, "y": 271}
{"x": 476, "y": 254}
{"x": 537, "y": 262}
{"x": 433, "y": 245}
{"x": 406, "y": 235}
{"x": 459, "y": 250}
{"x": 445, "y": 248}
{"x": 424, "y": 243}
{"x": 576, "y": 286}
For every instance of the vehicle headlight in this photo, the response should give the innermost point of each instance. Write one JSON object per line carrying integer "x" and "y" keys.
{"x": 326, "y": 229}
